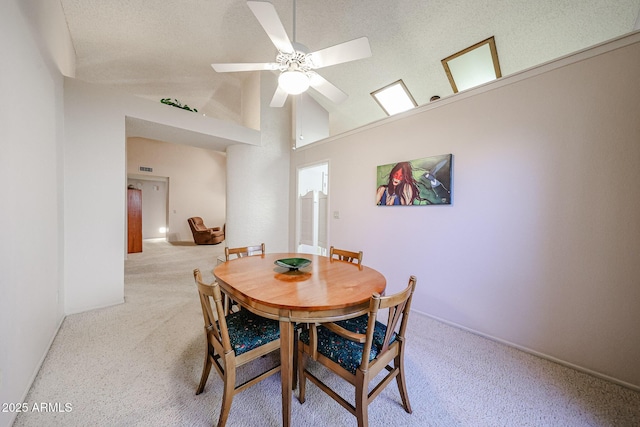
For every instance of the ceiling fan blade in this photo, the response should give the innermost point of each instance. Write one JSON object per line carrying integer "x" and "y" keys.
{"x": 343, "y": 52}
{"x": 279, "y": 97}
{"x": 270, "y": 21}
{"x": 230, "y": 68}
{"x": 327, "y": 89}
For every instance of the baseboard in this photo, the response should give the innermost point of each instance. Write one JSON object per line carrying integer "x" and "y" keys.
{"x": 38, "y": 367}
{"x": 85, "y": 309}
{"x": 535, "y": 353}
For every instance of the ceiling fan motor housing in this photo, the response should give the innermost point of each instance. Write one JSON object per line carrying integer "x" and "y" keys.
{"x": 298, "y": 60}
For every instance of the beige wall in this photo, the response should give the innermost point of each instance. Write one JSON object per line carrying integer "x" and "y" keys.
{"x": 541, "y": 246}
{"x": 197, "y": 181}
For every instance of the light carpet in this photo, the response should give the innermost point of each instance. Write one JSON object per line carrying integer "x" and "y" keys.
{"x": 139, "y": 363}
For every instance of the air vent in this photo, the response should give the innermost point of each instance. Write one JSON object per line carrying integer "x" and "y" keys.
{"x": 145, "y": 169}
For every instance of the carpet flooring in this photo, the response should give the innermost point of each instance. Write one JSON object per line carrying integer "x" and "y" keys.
{"x": 139, "y": 363}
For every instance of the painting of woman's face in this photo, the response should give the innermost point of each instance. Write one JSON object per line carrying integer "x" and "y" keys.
{"x": 425, "y": 181}
{"x": 397, "y": 177}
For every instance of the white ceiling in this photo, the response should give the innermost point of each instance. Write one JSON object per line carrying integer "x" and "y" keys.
{"x": 163, "y": 48}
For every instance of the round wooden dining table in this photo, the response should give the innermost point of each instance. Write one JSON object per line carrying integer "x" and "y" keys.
{"x": 325, "y": 290}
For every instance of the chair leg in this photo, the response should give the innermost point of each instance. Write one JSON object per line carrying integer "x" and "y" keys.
{"x": 205, "y": 372}
{"x": 226, "y": 304}
{"x": 294, "y": 382}
{"x": 302, "y": 380}
{"x": 362, "y": 398}
{"x": 227, "y": 394}
{"x": 402, "y": 383}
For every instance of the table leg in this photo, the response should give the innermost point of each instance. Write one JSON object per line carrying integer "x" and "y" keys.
{"x": 286, "y": 363}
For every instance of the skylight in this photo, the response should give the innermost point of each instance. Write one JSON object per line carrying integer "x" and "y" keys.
{"x": 394, "y": 98}
{"x": 473, "y": 66}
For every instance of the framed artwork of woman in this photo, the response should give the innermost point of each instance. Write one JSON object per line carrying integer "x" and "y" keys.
{"x": 425, "y": 181}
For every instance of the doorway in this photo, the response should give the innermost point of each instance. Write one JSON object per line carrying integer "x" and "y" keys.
{"x": 312, "y": 208}
{"x": 154, "y": 205}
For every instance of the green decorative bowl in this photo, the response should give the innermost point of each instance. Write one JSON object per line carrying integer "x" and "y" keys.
{"x": 293, "y": 263}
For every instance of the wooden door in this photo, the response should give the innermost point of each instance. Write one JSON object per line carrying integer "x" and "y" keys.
{"x": 134, "y": 220}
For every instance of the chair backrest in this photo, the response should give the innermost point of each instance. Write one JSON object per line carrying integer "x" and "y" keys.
{"x": 244, "y": 251}
{"x": 215, "y": 323}
{"x": 344, "y": 255}
{"x": 196, "y": 224}
{"x": 398, "y": 305}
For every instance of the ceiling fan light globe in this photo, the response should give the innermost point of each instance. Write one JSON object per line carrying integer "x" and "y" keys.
{"x": 293, "y": 82}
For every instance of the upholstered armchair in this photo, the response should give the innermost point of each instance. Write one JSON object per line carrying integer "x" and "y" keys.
{"x": 203, "y": 235}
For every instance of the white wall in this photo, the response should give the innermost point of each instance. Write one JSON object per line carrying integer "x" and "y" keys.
{"x": 258, "y": 180}
{"x": 541, "y": 246}
{"x": 95, "y": 196}
{"x": 311, "y": 120}
{"x": 31, "y": 127}
{"x": 96, "y": 125}
{"x": 197, "y": 181}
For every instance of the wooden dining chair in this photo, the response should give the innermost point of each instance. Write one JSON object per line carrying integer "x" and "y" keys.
{"x": 358, "y": 350}
{"x": 232, "y": 341}
{"x": 244, "y": 251}
{"x": 349, "y": 256}
{"x": 240, "y": 252}
{"x": 344, "y": 255}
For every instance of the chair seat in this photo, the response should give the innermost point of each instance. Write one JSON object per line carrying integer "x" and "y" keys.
{"x": 344, "y": 352}
{"x": 248, "y": 331}
{"x": 359, "y": 326}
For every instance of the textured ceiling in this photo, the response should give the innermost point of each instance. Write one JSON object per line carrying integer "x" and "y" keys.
{"x": 163, "y": 48}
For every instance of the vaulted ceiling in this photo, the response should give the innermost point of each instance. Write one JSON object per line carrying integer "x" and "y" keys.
{"x": 164, "y": 48}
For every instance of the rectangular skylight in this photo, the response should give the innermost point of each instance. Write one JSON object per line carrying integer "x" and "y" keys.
{"x": 473, "y": 66}
{"x": 394, "y": 98}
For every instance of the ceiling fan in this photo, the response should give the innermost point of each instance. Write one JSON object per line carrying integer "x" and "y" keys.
{"x": 295, "y": 64}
